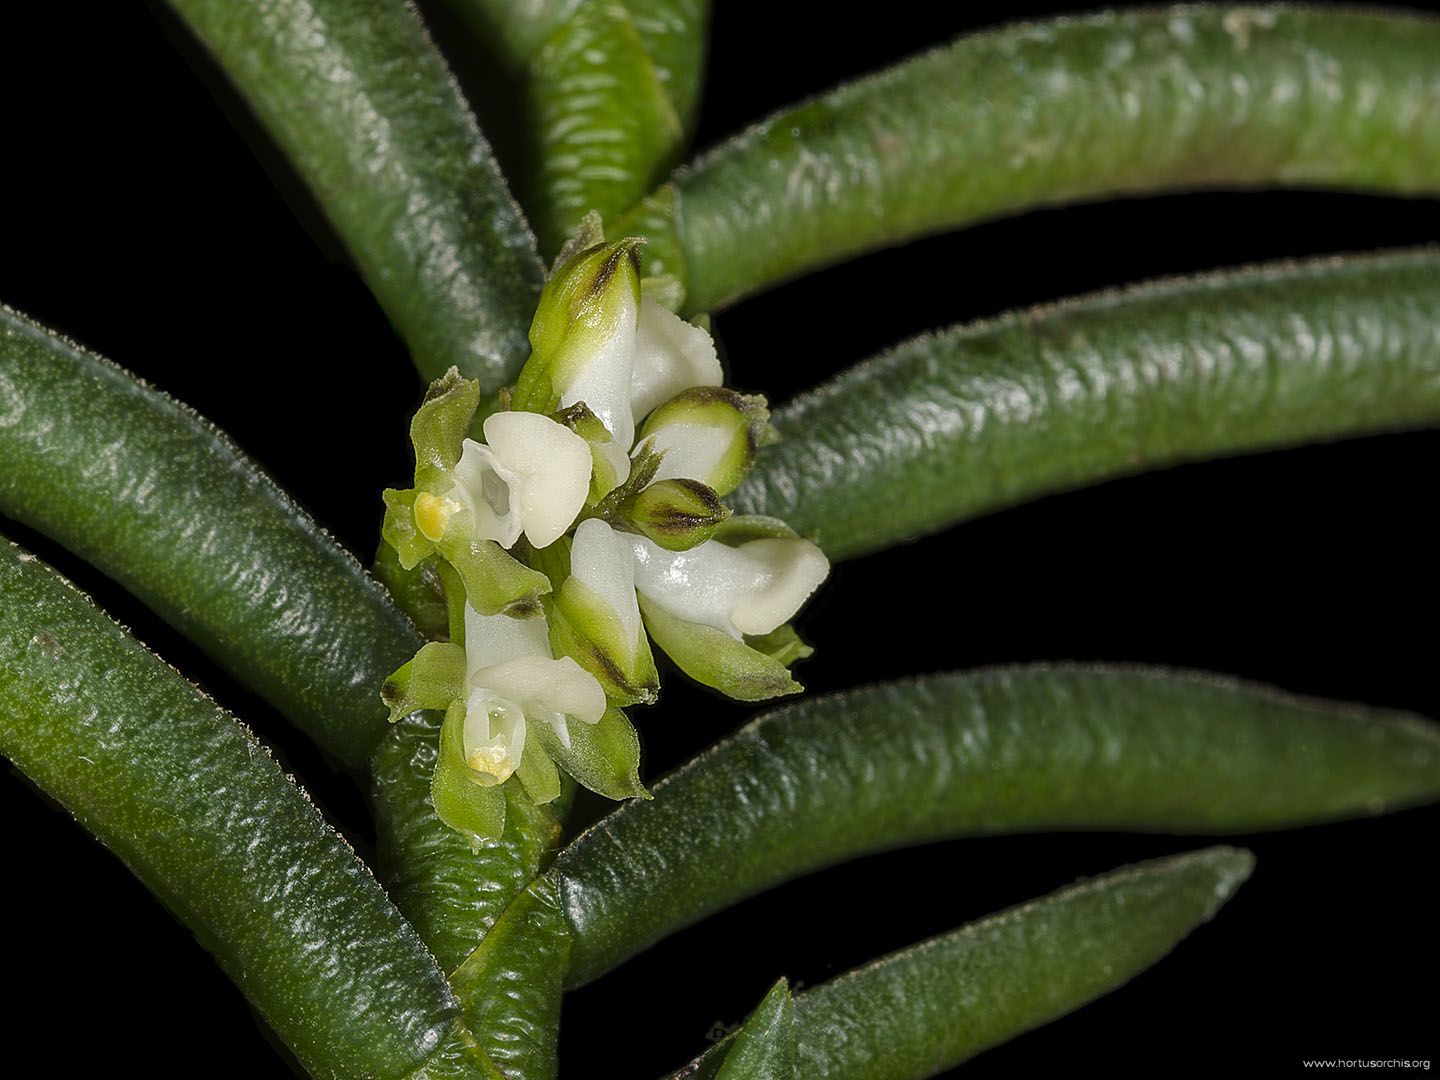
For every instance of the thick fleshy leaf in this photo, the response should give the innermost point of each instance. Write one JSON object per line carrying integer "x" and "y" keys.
{"x": 603, "y": 757}
{"x": 510, "y": 986}
{"x": 199, "y": 811}
{"x": 363, "y": 106}
{"x": 156, "y": 498}
{"x": 432, "y": 680}
{"x": 611, "y": 89}
{"x": 717, "y": 660}
{"x": 921, "y": 1010}
{"x": 1009, "y": 750}
{"x": 974, "y": 419}
{"x": 416, "y": 591}
{"x": 765, "y": 1048}
{"x": 1171, "y": 99}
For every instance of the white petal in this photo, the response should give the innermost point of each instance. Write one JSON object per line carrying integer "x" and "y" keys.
{"x": 670, "y": 355}
{"x": 692, "y": 451}
{"x": 601, "y": 560}
{"x": 542, "y": 686}
{"x": 487, "y": 488}
{"x": 602, "y": 379}
{"x": 553, "y": 465}
{"x": 494, "y": 734}
{"x": 496, "y": 639}
{"x": 750, "y": 589}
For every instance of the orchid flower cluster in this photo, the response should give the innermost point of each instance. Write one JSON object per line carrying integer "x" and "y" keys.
{"x": 585, "y": 522}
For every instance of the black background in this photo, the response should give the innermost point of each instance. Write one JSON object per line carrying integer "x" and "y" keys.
{"x": 149, "y": 221}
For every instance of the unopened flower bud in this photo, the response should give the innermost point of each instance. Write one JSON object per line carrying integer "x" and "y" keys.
{"x": 708, "y": 434}
{"x": 677, "y": 514}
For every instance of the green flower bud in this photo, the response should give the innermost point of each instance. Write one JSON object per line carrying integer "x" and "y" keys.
{"x": 676, "y": 514}
{"x": 583, "y": 338}
{"x": 709, "y": 434}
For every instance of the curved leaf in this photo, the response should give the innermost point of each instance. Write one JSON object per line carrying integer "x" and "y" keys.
{"x": 1060, "y": 111}
{"x": 961, "y": 423}
{"x": 365, "y": 109}
{"x": 607, "y": 90}
{"x": 165, "y": 504}
{"x": 198, "y": 810}
{"x": 765, "y": 1048}
{"x": 923, "y": 1009}
{"x": 1009, "y": 750}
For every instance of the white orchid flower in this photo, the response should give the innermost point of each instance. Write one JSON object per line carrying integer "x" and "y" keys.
{"x": 750, "y": 589}
{"x": 513, "y": 680}
{"x": 531, "y": 475}
{"x": 671, "y": 355}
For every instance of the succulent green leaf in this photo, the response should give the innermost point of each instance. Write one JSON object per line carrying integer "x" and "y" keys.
{"x": 921, "y": 1010}
{"x": 1169, "y": 99}
{"x": 717, "y": 660}
{"x": 432, "y": 680}
{"x": 473, "y": 809}
{"x": 362, "y": 104}
{"x": 603, "y": 757}
{"x": 765, "y": 1048}
{"x": 202, "y": 814}
{"x": 965, "y": 422}
{"x": 1009, "y": 750}
{"x": 154, "y": 496}
{"x": 510, "y": 986}
{"x": 602, "y": 130}
{"x": 451, "y": 892}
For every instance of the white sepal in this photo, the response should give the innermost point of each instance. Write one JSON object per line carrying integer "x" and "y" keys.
{"x": 671, "y": 355}
{"x": 750, "y": 589}
{"x": 601, "y": 560}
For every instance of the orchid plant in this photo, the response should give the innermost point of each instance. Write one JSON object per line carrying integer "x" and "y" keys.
{"x": 591, "y": 508}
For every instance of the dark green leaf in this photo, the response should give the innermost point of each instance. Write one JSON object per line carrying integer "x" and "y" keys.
{"x": 1029, "y": 749}
{"x": 365, "y": 109}
{"x": 974, "y": 419}
{"x": 1066, "y": 110}
{"x": 158, "y": 499}
{"x": 199, "y": 811}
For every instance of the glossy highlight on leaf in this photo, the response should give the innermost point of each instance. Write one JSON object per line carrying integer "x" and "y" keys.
{"x": 1069, "y": 109}
{"x": 970, "y": 420}
{"x": 162, "y": 776}
{"x": 158, "y": 499}
{"x": 1008, "y": 750}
